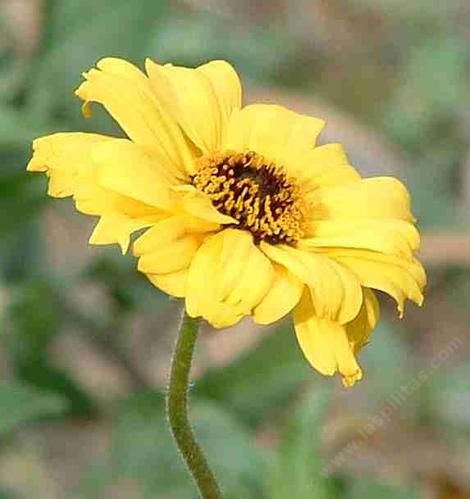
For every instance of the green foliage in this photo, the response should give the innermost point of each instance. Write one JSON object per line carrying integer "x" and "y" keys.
{"x": 16, "y": 128}
{"x": 21, "y": 404}
{"x": 35, "y": 320}
{"x": 95, "y": 480}
{"x": 5, "y": 494}
{"x": 143, "y": 449}
{"x": 261, "y": 381}
{"x": 35, "y": 316}
{"x": 19, "y": 257}
{"x": 297, "y": 470}
{"x": 56, "y": 76}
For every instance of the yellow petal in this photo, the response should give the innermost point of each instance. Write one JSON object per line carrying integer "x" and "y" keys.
{"x": 173, "y": 284}
{"x": 201, "y": 294}
{"x": 197, "y": 203}
{"x": 227, "y": 89}
{"x": 378, "y": 197}
{"x": 359, "y": 329}
{"x": 228, "y": 277}
{"x": 271, "y": 130}
{"x": 395, "y": 237}
{"x": 402, "y": 279}
{"x": 127, "y": 95}
{"x": 62, "y": 156}
{"x": 93, "y": 199}
{"x": 169, "y": 230}
{"x": 115, "y": 228}
{"x": 125, "y": 168}
{"x": 234, "y": 254}
{"x": 201, "y": 99}
{"x": 245, "y": 274}
{"x": 166, "y": 251}
{"x": 68, "y": 159}
{"x": 325, "y": 343}
{"x": 323, "y": 166}
{"x": 174, "y": 255}
{"x": 61, "y": 183}
{"x": 281, "y": 298}
{"x": 336, "y": 292}
{"x": 166, "y": 231}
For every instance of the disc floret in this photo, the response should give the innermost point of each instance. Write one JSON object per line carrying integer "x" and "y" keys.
{"x": 254, "y": 191}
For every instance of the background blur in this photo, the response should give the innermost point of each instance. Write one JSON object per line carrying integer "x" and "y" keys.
{"x": 86, "y": 341}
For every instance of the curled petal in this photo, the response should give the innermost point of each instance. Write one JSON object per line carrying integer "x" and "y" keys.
{"x": 282, "y": 297}
{"x": 167, "y": 249}
{"x": 359, "y": 329}
{"x": 200, "y": 100}
{"x": 325, "y": 343}
{"x": 173, "y": 284}
{"x": 335, "y": 291}
{"x": 63, "y": 156}
{"x": 395, "y": 237}
{"x": 126, "y": 93}
{"x": 69, "y": 161}
{"x": 400, "y": 278}
{"x": 228, "y": 278}
{"x": 174, "y": 256}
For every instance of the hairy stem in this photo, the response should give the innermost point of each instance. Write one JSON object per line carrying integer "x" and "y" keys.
{"x": 177, "y": 409}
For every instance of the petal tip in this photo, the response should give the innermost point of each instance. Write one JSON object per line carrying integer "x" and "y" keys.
{"x": 350, "y": 380}
{"x": 86, "y": 109}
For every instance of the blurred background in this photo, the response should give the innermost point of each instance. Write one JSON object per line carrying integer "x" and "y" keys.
{"x": 86, "y": 340}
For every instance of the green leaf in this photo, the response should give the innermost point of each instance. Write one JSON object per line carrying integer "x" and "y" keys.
{"x": 35, "y": 316}
{"x": 40, "y": 373}
{"x": 298, "y": 469}
{"x": 21, "y": 404}
{"x": 21, "y": 200}
{"x": 35, "y": 319}
{"x": 358, "y": 489}
{"x": 230, "y": 450}
{"x": 260, "y": 381}
{"x": 143, "y": 449}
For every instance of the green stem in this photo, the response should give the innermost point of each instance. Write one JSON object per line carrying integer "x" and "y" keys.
{"x": 177, "y": 409}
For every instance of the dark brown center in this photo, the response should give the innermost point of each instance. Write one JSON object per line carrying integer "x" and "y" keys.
{"x": 254, "y": 192}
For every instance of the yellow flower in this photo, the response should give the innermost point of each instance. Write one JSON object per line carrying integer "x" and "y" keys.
{"x": 244, "y": 214}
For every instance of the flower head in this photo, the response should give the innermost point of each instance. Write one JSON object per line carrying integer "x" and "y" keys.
{"x": 244, "y": 215}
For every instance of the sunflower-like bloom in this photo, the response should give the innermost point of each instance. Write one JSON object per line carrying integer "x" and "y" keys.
{"x": 244, "y": 215}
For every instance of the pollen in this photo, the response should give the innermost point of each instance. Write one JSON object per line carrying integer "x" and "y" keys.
{"x": 255, "y": 192}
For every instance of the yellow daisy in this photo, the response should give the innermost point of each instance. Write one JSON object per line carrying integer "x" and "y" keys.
{"x": 244, "y": 214}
